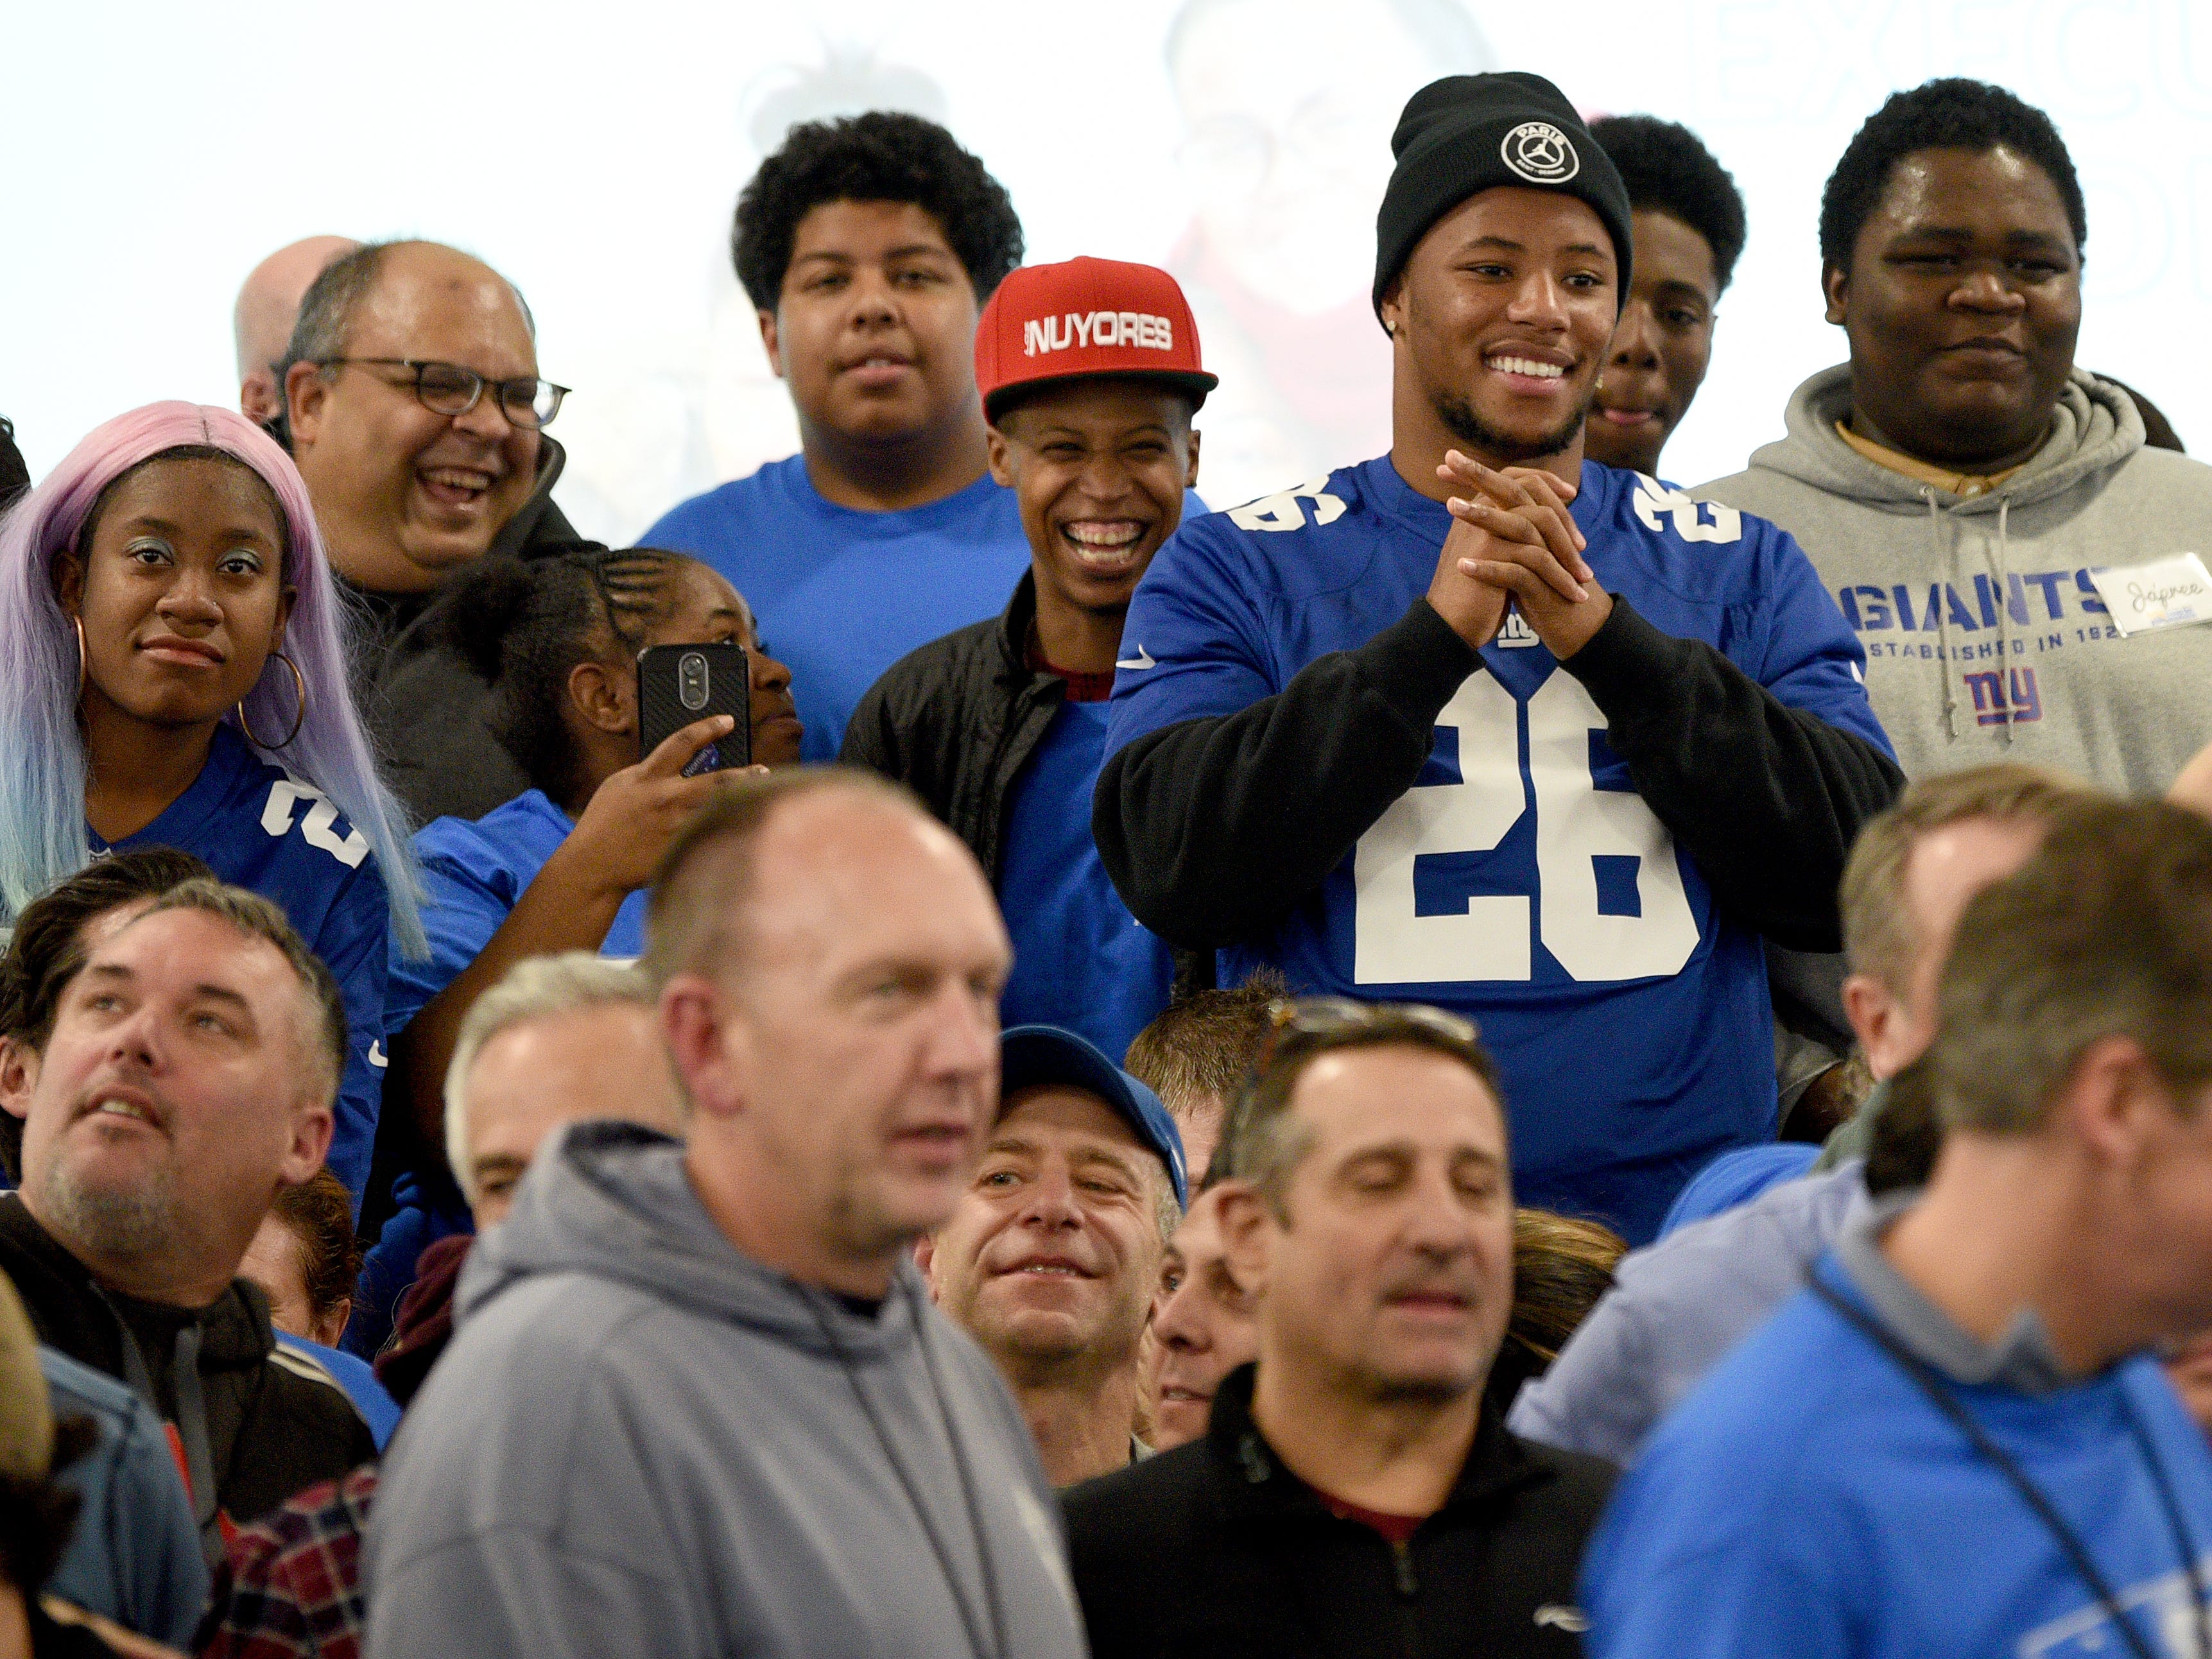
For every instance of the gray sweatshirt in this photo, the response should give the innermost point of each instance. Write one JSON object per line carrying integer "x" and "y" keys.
{"x": 1985, "y": 639}
{"x": 643, "y": 1443}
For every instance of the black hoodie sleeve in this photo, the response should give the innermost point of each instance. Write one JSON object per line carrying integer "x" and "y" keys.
{"x": 1767, "y": 799}
{"x": 1213, "y": 828}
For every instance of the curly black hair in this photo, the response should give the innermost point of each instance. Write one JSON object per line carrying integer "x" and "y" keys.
{"x": 881, "y": 157}
{"x": 1666, "y": 166}
{"x": 523, "y": 624}
{"x": 1952, "y": 114}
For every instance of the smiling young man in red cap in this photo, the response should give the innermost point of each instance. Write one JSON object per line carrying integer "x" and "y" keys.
{"x": 1090, "y": 374}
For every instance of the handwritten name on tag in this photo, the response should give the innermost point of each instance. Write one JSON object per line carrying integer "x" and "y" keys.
{"x": 2169, "y": 592}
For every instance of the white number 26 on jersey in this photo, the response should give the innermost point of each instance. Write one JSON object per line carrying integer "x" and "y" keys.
{"x": 1576, "y": 824}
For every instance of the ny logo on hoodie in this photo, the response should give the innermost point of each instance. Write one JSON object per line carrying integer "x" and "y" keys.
{"x": 1990, "y": 706}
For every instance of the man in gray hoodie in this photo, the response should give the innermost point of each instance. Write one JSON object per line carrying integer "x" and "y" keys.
{"x": 1959, "y": 483}
{"x": 698, "y": 1402}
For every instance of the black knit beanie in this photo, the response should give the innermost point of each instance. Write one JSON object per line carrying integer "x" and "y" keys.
{"x": 1468, "y": 133}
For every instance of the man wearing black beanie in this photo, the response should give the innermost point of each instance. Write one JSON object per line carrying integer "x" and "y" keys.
{"x": 1476, "y": 724}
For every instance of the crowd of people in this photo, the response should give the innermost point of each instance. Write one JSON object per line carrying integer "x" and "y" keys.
{"x": 1487, "y": 1050}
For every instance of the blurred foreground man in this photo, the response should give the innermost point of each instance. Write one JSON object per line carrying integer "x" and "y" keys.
{"x": 698, "y": 1402}
{"x": 1355, "y": 1491}
{"x": 1957, "y": 1439}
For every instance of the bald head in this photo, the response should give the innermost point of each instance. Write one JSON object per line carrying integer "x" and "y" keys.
{"x": 706, "y": 886}
{"x": 829, "y": 961}
{"x": 268, "y": 303}
{"x": 404, "y": 491}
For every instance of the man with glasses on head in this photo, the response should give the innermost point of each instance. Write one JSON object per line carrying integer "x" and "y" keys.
{"x": 415, "y": 409}
{"x": 1355, "y": 1490}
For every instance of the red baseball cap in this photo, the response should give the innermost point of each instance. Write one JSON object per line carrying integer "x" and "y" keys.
{"x": 1086, "y": 317}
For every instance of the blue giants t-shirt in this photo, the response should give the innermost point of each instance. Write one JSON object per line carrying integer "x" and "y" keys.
{"x": 1521, "y": 880}
{"x": 1081, "y": 960}
{"x": 840, "y": 594}
{"x": 258, "y": 827}
{"x": 473, "y": 872}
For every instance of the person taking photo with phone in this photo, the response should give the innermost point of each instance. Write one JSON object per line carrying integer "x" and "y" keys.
{"x": 563, "y": 865}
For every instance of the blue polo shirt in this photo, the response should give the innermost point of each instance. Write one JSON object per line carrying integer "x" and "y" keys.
{"x": 841, "y": 594}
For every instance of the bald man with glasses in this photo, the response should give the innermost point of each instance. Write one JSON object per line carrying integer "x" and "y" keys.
{"x": 416, "y": 412}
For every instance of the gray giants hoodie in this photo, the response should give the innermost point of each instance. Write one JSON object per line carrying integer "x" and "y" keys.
{"x": 1985, "y": 636}
{"x": 642, "y": 1443}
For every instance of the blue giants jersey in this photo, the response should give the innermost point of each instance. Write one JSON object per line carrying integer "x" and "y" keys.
{"x": 474, "y": 871}
{"x": 258, "y": 827}
{"x": 1521, "y": 880}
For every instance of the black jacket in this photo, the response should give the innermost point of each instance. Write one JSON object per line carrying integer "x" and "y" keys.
{"x": 1215, "y": 829}
{"x": 1215, "y": 1550}
{"x": 274, "y": 1423}
{"x": 956, "y": 719}
{"x": 424, "y": 707}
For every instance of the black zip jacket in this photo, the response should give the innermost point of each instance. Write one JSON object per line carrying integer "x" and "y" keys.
{"x": 426, "y": 709}
{"x": 267, "y": 1423}
{"x": 1215, "y": 829}
{"x": 1216, "y": 1551}
{"x": 956, "y": 719}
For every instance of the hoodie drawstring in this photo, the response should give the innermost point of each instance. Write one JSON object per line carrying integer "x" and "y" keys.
{"x": 1937, "y": 595}
{"x": 2002, "y": 576}
{"x": 814, "y": 1300}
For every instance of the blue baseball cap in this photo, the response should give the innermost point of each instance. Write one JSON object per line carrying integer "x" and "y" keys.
{"x": 1033, "y": 1054}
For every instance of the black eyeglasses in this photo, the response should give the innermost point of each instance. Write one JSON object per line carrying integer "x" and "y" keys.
{"x": 450, "y": 389}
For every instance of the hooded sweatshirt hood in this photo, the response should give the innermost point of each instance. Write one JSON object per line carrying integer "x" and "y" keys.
{"x": 1986, "y": 636}
{"x": 640, "y": 1441}
{"x": 618, "y": 1208}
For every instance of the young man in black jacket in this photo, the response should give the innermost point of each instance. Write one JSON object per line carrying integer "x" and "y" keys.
{"x": 183, "y": 1071}
{"x": 1476, "y": 723}
{"x": 1355, "y": 1491}
{"x": 1091, "y": 373}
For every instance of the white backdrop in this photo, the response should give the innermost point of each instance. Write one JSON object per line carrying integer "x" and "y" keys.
{"x": 593, "y": 153}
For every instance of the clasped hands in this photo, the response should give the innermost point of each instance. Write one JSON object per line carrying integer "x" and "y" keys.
{"x": 1512, "y": 538}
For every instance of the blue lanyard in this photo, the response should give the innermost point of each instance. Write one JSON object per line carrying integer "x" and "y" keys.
{"x": 2077, "y": 1553}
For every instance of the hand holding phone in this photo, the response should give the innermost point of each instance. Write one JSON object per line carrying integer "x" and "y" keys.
{"x": 678, "y": 685}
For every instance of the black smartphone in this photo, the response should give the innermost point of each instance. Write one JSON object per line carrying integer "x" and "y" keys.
{"x": 680, "y": 684}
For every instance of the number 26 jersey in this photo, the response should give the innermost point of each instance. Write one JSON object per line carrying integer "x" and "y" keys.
{"x": 1522, "y": 878}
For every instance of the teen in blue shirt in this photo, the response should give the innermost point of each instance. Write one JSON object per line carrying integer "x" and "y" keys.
{"x": 174, "y": 674}
{"x": 866, "y": 245}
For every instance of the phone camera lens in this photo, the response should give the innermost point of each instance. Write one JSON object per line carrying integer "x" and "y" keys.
{"x": 691, "y": 686}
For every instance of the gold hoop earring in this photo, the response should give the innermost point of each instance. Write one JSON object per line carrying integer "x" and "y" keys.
{"x": 79, "y": 621}
{"x": 300, "y": 685}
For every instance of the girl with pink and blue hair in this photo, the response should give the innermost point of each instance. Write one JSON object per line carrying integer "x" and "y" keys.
{"x": 173, "y": 672}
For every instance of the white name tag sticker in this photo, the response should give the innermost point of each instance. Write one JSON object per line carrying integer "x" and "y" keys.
{"x": 2169, "y": 592}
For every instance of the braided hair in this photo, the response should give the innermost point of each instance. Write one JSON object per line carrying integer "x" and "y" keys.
{"x": 523, "y": 624}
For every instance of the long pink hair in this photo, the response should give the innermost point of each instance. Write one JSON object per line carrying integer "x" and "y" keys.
{"x": 42, "y": 777}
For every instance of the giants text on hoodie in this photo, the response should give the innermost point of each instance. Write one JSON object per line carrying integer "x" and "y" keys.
{"x": 1985, "y": 634}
